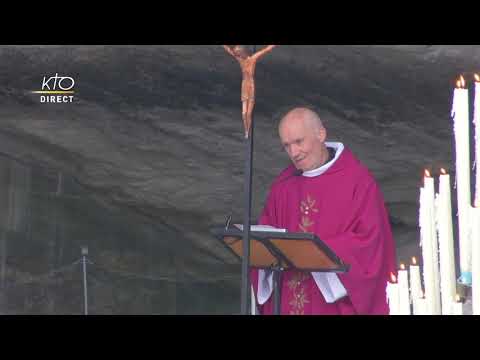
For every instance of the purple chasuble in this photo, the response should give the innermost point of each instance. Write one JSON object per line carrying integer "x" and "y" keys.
{"x": 345, "y": 208}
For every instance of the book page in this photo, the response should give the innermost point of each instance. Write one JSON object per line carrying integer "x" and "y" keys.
{"x": 266, "y": 228}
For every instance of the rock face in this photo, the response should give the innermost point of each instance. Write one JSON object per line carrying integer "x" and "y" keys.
{"x": 150, "y": 154}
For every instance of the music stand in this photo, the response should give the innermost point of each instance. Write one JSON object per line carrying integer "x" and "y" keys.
{"x": 279, "y": 251}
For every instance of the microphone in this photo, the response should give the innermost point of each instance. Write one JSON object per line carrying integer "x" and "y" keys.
{"x": 227, "y": 222}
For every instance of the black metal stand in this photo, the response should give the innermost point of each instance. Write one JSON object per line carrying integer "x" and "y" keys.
{"x": 84, "y": 265}
{"x": 246, "y": 226}
{"x": 277, "y": 290}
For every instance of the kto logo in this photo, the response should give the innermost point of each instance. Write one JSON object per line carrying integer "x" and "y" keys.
{"x": 56, "y": 89}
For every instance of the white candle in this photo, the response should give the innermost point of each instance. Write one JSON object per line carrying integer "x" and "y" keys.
{"x": 426, "y": 249}
{"x": 475, "y": 212}
{"x": 476, "y": 122}
{"x": 415, "y": 284}
{"x": 393, "y": 295}
{"x": 462, "y": 154}
{"x": 403, "y": 293}
{"x": 421, "y": 306}
{"x": 457, "y": 306}
{"x": 445, "y": 239}
{"x": 429, "y": 246}
{"x": 475, "y": 219}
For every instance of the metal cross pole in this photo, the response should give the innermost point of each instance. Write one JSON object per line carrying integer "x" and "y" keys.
{"x": 277, "y": 300}
{"x": 245, "y": 292}
{"x": 84, "y": 263}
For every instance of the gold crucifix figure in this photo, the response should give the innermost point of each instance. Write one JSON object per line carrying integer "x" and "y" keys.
{"x": 247, "y": 64}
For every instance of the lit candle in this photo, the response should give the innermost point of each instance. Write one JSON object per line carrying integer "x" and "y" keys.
{"x": 445, "y": 239}
{"x": 403, "y": 293}
{"x": 475, "y": 219}
{"x": 462, "y": 154}
{"x": 393, "y": 295}
{"x": 457, "y": 306}
{"x": 476, "y": 122}
{"x": 415, "y": 284}
{"x": 429, "y": 246}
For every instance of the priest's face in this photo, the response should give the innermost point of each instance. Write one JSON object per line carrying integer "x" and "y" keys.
{"x": 304, "y": 143}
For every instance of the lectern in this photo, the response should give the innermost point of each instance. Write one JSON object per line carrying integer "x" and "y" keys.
{"x": 280, "y": 251}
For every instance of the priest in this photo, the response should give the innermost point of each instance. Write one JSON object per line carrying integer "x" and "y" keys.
{"x": 329, "y": 192}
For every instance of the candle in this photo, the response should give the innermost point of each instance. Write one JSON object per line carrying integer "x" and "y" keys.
{"x": 457, "y": 306}
{"x": 429, "y": 246}
{"x": 421, "y": 306}
{"x": 475, "y": 213}
{"x": 403, "y": 293}
{"x": 393, "y": 295}
{"x": 445, "y": 239}
{"x": 476, "y": 122}
{"x": 415, "y": 284}
{"x": 426, "y": 249}
{"x": 475, "y": 218}
{"x": 462, "y": 150}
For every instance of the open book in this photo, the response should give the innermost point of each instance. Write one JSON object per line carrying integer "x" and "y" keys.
{"x": 267, "y": 228}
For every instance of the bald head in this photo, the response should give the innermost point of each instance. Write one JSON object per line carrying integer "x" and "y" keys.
{"x": 302, "y": 115}
{"x": 303, "y": 136}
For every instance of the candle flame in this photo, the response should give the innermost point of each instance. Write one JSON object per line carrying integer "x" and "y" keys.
{"x": 393, "y": 278}
{"x": 477, "y": 78}
{"x": 442, "y": 170}
{"x": 427, "y": 173}
{"x": 457, "y": 298}
{"x": 402, "y": 266}
{"x": 462, "y": 81}
{"x": 414, "y": 260}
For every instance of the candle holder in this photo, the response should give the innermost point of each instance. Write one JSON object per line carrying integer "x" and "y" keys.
{"x": 463, "y": 290}
{"x": 465, "y": 278}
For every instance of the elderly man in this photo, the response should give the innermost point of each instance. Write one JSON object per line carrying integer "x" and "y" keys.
{"x": 328, "y": 192}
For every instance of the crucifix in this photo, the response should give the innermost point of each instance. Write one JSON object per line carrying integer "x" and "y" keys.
{"x": 247, "y": 63}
